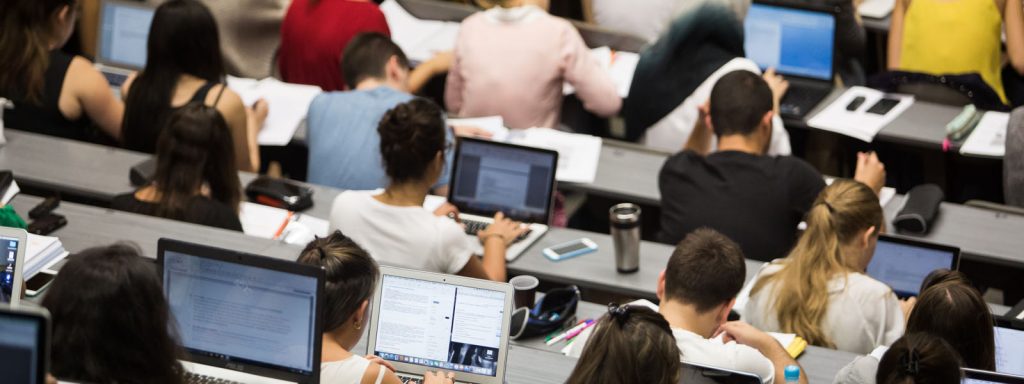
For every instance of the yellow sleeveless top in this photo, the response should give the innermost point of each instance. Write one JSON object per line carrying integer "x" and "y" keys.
{"x": 953, "y": 37}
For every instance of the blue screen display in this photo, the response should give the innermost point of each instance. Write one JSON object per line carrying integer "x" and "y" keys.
{"x": 795, "y": 42}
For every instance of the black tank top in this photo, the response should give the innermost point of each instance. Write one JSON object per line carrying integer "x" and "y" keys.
{"x": 45, "y": 117}
{"x": 144, "y": 138}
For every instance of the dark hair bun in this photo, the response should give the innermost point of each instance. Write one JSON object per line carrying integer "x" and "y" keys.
{"x": 411, "y": 134}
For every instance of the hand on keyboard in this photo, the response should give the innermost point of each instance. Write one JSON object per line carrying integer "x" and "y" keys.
{"x": 504, "y": 228}
{"x": 429, "y": 378}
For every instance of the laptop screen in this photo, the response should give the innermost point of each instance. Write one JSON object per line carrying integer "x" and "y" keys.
{"x": 8, "y": 260}
{"x": 19, "y": 346}
{"x": 903, "y": 266}
{"x": 972, "y": 376}
{"x": 440, "y": 326}
{"x": 491, "y": 177}
{"x": 1009, "y": 349}
{"x": 243, "y": 314}
{"x": 796, "y": 42}
{"x": 124, "y": 34}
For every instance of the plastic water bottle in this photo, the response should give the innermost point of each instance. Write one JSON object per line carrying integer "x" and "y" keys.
{"x": 792, "y": 374}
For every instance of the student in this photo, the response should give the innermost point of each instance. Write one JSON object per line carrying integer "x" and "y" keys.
{"x": 196, "y": 179}
{"x": 957, "y": 37}
{"x": 111, "y": 323}
{"x": 631, "y": 344}
{"x": 393, "y": 225}
{"x": 344, "y": 146}
{"x": 513, "y": 59}
{"x": 251, "y": 33}
{"x": 697, "y": 290}
{"x": 316, "y": 32}
{"x": 184, "y": 64}
{"x": 821, "y": 292}
{"x": 351, "y": 275}
{"x": 920, "y": 358}
{"x": 53, "y": 93}
{"x": 644, "y": 19}
{"x": 950, "y": 309}
{"x": 754, "y": 199}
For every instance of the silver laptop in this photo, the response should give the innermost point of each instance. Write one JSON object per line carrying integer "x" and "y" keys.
{"x": 973, "y": 376}
{"x": 243, "y": 318}
{"x": 122, "y": 38}
{"x": 25, "y": 345}
{"x": 700, "y": 374}
{"x": 903, "y": 263}
{"x": 12, "y": 264}
{"x": 423, "y": 321}
{"x": 1009, "y": 349}
{"x": 489, "y": 177}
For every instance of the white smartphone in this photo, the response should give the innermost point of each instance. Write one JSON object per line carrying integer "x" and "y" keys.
{"x": 570, "y": 249}
{"x": 39, "y": 282}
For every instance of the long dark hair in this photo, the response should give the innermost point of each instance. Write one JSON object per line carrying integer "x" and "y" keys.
{"x": 182, "y": 40}
{"x": 631, "y": 344}
{"x": 956, "y": 312}
{"x": 194, "y": 150}
{"x": 919, "y": 358}
{"x": 351, "y": 276}
{"x": 26, "y": 32}
{"x": 111, "y": 323}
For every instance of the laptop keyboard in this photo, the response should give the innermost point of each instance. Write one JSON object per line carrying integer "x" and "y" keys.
{"x": 193, "y": 378}
{"x": 799, "y": 102}
{"x": 473, "y": 227}
{"x": 115, "y": 79}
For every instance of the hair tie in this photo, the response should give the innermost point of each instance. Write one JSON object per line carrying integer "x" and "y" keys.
{"x": 619, "y": 312}
{"x": 323, "y": 255}
{"x": 910, "y": 363}
{"x": 829, "y": 206}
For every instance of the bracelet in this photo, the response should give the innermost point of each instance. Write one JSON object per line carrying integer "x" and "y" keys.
{"x": 483, "y": 240}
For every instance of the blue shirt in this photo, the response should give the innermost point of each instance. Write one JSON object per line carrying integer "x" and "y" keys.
{"x": 344, "y": 146}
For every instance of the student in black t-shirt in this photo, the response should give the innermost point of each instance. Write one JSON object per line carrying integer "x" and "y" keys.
{"x": 196, "y": 178}
{"x": 754, "y": 199}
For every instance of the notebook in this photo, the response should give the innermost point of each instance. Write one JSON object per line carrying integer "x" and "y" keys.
{"x": 427, "y": 321}
{"x": 123, "y": 35}
{"x": 903, "y": 263}
{"x": 243, "y": 318}
{"x": 798, "y": 40}
{"x": 25, "y": 345}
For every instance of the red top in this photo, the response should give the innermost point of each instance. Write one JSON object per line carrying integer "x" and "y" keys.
{"x": 314, "y": 36}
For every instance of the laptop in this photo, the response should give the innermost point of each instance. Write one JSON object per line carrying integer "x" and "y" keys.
{"x": 243, "y": 318}
{"x": 973, "y": 376}
{"x": 423, "y": 321}
{"x": 25, "y": 345}
{"x": 903, "y": 263}
{"x": 12, "y": 264}
{"x": 489, "y": 177}
{"x": 1009, "y": 348}
{"x": 699, "y": 374}
{"x": 122, "y": 39}
{"x": 798, "y": 39}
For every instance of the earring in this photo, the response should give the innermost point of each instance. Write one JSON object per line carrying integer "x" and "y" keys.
{"x": 358, "y": 326}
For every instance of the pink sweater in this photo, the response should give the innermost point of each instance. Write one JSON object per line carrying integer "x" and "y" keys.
{"x": 513, "y": 62}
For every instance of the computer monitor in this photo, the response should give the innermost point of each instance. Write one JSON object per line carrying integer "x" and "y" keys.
{"x": 488, "y": 177}
{"x": 124, "y": 33}
{"x": 25, "y": 345}
{"x": 904, "y": 263}
{"x": 1009, "y": 350}
{"x": 244, "y": 312}
{"x": 428, "y": 321}
{"x": 699, "y": 374}
{"x": 12, "y": 265}
{"x": 796, "y": 39}
{"x": 973, "y": 376}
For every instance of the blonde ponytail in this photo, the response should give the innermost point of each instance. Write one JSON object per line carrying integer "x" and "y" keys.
{"x": 800, "y": 296}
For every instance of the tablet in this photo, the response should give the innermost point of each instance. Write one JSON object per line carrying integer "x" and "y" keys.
{"x": 12, "y": 262}
{"x": 25, "y": 345}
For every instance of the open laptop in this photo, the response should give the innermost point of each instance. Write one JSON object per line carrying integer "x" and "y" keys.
{"x": 427, "y": 321}
{"x": 973, "y": 376}
{"x": 12, "y": 264}
{"x": 798, "y": 39}
{"x": 489, "y": 177}
{"x": 699, "y": 374}
{"x": 122, "y": 39}
{"x": 1009, "y": 348}
{"x": 243, "y": 318}
{"x": 25, "y": 345}
{"x": 903, "y": 263}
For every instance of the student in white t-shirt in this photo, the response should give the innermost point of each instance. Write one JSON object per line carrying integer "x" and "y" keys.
{"x": 697, "y": 290}
{"x": 393, "y": 225}
{"x": 820, "y": 291}
{"x": 350, "y": 278}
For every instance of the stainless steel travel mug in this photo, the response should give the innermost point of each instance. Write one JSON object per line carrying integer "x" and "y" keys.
{"x": 625, "y": 228}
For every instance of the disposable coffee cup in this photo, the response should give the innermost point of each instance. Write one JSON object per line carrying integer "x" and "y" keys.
{"x": 526, "y": 290}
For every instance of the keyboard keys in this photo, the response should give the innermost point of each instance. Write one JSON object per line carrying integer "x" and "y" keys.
{"x": 193, "y": 378}
{"x": 473, "y": 227}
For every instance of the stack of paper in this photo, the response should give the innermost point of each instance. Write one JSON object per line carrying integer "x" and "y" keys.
{"x": 862, "y": 122}
{"x": 275, "y": 223}
{"x": 42, "y": 252}
{"x": 288, "y": 105}
{"x": 578, "y": 155}
{"x": 989, "y": 137}
{"x": 620, "y": 66}
{"x": 495, "y": 125}
{"x": 419, "y": 39}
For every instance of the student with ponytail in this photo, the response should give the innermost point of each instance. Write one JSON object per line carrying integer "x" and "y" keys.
{"x": 919, "y": 358}
{"x": 631, "y": 344}
{"x": 821, "y": 292}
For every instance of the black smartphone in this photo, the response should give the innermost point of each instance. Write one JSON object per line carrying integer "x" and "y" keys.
{"x": 39, "y": 282}
{"x": 46, "y": 224}
{"x": 856, "y": 103}
{"x": 883, "y": 106}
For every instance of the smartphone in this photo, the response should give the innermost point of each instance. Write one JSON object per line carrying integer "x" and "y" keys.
{"x": 39, "y": 282}
{"x": 47, "y": 224}
{"x": 856, "y": 103}
{"x": 883, "y": 106}
{"x": 570, "y": 249}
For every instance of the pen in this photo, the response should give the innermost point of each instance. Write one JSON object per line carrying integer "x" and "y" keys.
{"x": 555, "y": 334}
{"x": 284, "y": 225}
{"x": 572, "y": 336}
{"x": 566, "y": 333}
